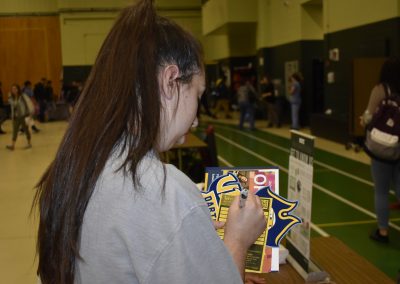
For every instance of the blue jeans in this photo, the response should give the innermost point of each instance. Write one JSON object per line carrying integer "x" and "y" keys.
{"x": 384, "y": 175}
{"x": 295, "y": 115}
{"x": 246, "y": 108}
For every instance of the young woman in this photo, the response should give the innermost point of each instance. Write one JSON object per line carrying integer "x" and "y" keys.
{"x": 19, "y": 111}
{"x": 110, "y": 210}
{"x": 384, "y": 174}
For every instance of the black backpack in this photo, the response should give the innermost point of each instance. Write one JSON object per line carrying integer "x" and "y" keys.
{"x": 382, "y": 140}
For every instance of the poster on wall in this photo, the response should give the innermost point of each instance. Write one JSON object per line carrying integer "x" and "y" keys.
{"x": 300, "y": 188}
{"x": 290, "y": 68}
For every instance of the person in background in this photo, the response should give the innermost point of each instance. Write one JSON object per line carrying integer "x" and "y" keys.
{"x": 19, "y": 111}
{"x": 246, "y": 95}
{"x": 39, "y": 92}
{"x": 268, "y": 95}
{"x": 72, "y": 94}
{"x": 280, "y": 99}
{"x": 295, "y": 99}
{"x": 49, "y": 93}
{"x": 384, "y": 174}
{"x": 224, "y": 98}
{"x": 204, "y": 101}
{"x": 110, "y": 210}
{"x": 3, "y": 114}
{"x": 27, "y": 89}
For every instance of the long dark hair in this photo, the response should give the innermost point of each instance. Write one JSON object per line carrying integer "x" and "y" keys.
{"x": 390, "y": 74}
{"x": 19, "y": 92}
{"x": 120, "y": 106}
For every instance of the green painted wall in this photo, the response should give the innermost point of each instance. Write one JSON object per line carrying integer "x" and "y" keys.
{"x": 376, "y": 40}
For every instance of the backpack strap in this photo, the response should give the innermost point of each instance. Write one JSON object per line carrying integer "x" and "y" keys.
{"x": 389, "y": 93}
{"x": 387, "y": 90}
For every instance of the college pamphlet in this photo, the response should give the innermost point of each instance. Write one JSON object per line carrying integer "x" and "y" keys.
{"x": 223, "y": 184}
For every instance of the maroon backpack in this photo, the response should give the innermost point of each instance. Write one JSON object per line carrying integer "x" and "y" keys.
{"x": 383, "y": 132}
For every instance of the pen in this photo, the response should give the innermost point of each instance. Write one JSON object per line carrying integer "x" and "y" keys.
{"x": 243, "y": 196}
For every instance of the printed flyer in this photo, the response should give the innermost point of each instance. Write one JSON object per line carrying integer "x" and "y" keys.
{"x": 300, "y": 188}
{"x": 222, "y": 184}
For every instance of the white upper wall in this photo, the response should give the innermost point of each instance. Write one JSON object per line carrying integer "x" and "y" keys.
{"x": 82, "y": 35}
{"x": 342, "y": 14}
{"x": 86, "y": 4}
{"x": 217, "y": 13}
{"x": 178, "y": 3}
{"x": 278, "y": 23}
{"x": 28, "y": 6}
{"x": 285, "y": 21}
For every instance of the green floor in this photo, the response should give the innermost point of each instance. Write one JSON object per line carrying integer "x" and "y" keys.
{"x": 343, "y": 201}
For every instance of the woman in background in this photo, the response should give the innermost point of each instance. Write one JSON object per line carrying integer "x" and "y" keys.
{"x": 19, "y": 111}
{"x": 110, "y": 210}
{"x": 384, "y": 174}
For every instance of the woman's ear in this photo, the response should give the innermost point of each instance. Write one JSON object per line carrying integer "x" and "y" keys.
{"x": 168, "y": 76}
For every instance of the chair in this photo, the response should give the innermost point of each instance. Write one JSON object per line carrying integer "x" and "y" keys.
{"x": 209, "y": 154}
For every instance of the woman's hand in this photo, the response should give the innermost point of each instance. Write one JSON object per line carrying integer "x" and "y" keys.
{"x": 218, "y": 224}
{"x": 244, "y": 225}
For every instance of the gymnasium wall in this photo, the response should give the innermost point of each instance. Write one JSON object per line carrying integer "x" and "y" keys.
{"x": 30, "y": 48}
{"x": 376, "y": 40}
{"x": 13, "y": 7}
{"x": 62, "y": 38}
{"x": 83, "y": 32}
{"x": 357, "y": 29}
{"x": 68, "y": 33}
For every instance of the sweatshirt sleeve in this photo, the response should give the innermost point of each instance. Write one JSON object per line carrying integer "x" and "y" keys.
{"x": 195, "y": 254}
{"x": 377, "y": 95}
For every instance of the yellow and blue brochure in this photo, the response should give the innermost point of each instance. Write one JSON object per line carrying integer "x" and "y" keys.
{"x": 222, "y": 184}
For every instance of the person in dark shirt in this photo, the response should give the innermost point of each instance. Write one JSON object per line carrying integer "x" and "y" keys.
{"x": 268, "y": 95}
{"x": 49, "y": 93}
{"x": 39, "y": 92}
{"x": 224, "y": 97}
{"x": 71, "y": 93}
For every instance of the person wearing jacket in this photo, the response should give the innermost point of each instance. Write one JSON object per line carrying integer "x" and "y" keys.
{"x": 19, "y": 111}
